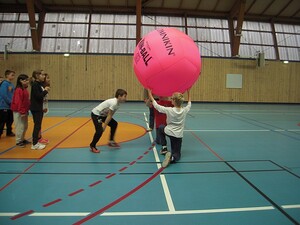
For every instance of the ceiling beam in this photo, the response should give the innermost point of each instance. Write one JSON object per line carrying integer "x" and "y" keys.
{"x": 138, "y": 20}
{"x": 216, "y": 5}
{"x": 198, "y": 4}
{"x": 39, "y": 5}
{"x": 239, "y": 9}
{"x": 250, "y": 7}
{"x": 275, "y": 41}
{"x": 284, "y": 8}
{"x": 12, "y": 8}
{"x": 268, "y": 6}
{"x": 33, "y": 27}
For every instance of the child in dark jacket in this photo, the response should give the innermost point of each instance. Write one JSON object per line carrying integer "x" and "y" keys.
{"x": 38, "y": 92}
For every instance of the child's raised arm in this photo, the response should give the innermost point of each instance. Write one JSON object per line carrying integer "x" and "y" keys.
{"x": 189, "y": 95}
{"x": 150, "y": 95}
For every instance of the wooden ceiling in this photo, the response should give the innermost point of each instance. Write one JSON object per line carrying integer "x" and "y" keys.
{"x": 279, "y": 11}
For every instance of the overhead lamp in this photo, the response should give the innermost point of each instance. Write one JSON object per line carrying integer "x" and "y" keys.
{"x": 66, "y": 55}
{"x": 285, "y": 62}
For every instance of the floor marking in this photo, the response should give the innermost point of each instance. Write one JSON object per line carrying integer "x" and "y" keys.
{"x": 291, "y": 206}
{"x": 53, "y": 202}
{"x": 102, "y": 210}
{"x": 209, "y": 148}
{"x": 162, "y": 177}
{"x": 133, "y": 162}
{"x": 22, "y": 214}
{"x": 28, "y": 168}
{"x": 122, "y": 169}
{"x": 277, "y": 130}
{"x": 149, "y": 213}
{"x": 75, "y": 192}
{"x": 110, "y": 175}
{"x": 227, "y": 130}
{"x": 95, "y": 183}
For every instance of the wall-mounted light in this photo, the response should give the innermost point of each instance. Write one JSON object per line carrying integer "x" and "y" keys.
{"x": 285, "y": 62}
{"x": 66, "y": 55}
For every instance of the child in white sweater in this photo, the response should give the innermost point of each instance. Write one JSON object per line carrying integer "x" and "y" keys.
{"x": 175, "y": 124}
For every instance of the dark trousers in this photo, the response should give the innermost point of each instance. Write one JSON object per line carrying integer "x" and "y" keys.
{"x": 97, "y": 121}
{"x": 37, "y": 121}
{"x": 175, "y": 143}
{"x": 175, "y": 148}
{"x": 151, "y": 117}
{"x": 6, "y": 118}
{"x": 161, "y": 136}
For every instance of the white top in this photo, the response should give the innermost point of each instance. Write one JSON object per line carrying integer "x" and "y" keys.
{"x": 103, "y": 108}
{"x": 45, "y": 103}
{"x": 175, "y": 118}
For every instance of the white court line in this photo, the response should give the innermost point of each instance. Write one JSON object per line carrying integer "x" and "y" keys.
{"x": 290, "y": 206}
{"x": 229, "y": 130}
{"x": 154, "y": 213}
{"x": 162, "y": 177}
{"x": 278, "y": 130}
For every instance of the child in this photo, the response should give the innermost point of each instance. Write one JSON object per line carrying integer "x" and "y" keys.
{"x": 102, "y": 116}
{"x": 46, "y": 83}
{"x": 6, "y": 93}
{"x": 175, "y": 124}
{"x": 20, "y": 106}
{"x": 151, "y": 111}
{"x": 38, "y": 92}
{"x": 160, "y": 123}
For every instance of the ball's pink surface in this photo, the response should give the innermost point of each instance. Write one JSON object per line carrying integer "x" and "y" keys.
{"x": 167, "y": 60}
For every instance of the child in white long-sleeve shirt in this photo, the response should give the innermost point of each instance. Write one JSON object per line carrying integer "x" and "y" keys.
{"x": 175, "y": 124}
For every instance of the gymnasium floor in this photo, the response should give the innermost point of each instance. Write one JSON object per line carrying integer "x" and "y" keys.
{"x": 240, "y": 166}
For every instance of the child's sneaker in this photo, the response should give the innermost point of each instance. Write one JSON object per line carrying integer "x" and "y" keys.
{"x": 38, "y": 146}
{"x": 167, "y": 160}
{"x": 26, "y": 142}
{"x": 113, "y": 144}
{"x": 21, "y": 144}
{"x": 94, "y": 150}
{"x": 163, "y": 151}
{"x": 11, "y": 134}
{"x": 44, "y": 141}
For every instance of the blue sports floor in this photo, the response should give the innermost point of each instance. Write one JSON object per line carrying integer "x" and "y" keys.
{"x": 240, "y": 166}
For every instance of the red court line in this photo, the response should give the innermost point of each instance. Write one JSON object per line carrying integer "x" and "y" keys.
{"x": 110, "y": 175}
{"x": 18, "y": 176}
{"x": 53, "y": 202}
{"x": 75, "y": 192}
{"x": 95, "y": 183}
{"x": 145, "y": 153}
{"x": 22, "y": 214}
{"x": 209, "y": 148}
{"x": 122, "y": 169}
{"x": 91, "y": 185}
{"x": 140, "y": 157}
{"x": 100, "y": 211}
{"x": 133, "y": 162}
{"x": 63, "y": 140}
{"x": 10, "y": 182}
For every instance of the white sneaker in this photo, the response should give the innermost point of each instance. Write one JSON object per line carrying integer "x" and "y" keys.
{"x": 167, "y": 160}
{"x": 38, "y": 146}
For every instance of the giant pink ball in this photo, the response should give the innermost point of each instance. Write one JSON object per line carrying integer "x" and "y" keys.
{"x": 167, "y": 60}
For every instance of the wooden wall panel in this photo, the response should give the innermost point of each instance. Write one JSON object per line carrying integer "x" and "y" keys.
{"x": 96, "y": 77}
